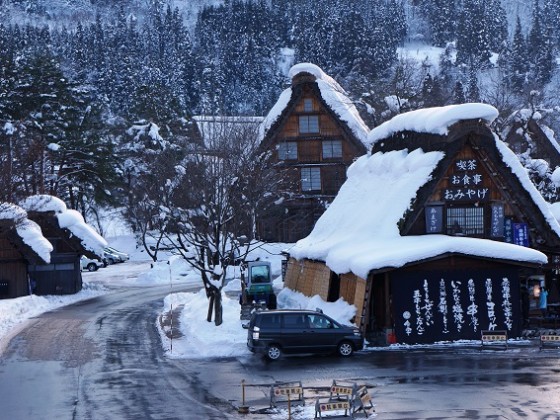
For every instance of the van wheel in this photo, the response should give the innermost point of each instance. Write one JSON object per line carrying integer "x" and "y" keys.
{"x": 273, "y": 352}
{"x": 345, "y": 349}
{"x": 92, "y": 267}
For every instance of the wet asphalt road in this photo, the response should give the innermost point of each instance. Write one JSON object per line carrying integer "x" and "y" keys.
{"x": 102, "y": 359}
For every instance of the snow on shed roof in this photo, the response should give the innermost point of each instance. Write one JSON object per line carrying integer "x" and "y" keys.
{"x": 216, "y": 126}
{"x": 359, "y": 231}
{"x": 333, "y": 95}
{"x": 68, "y": 219}
{"x": 435, "y": 120}
{"x": 27, "y": 230}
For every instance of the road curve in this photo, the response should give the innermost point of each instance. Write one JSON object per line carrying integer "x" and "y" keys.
{"x": 102, "y": 359}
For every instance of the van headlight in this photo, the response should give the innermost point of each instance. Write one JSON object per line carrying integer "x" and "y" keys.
{"x": 357, "y": 332}
{"x": 256, "y": 333}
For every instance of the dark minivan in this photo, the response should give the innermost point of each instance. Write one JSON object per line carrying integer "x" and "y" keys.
{"x": 300, "y": 331}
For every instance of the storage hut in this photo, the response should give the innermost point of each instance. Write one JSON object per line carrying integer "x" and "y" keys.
{"x": 433, "y": 232}
{"x": 70, "y": 237}
{"x": 21, "y": 244}
{"x": 314, "y": 132}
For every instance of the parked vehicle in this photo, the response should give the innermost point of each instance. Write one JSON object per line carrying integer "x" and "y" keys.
{"x": 89, "y": 264}
{"x": 256, "y": 288}
{"x": 122, "y": 255}
{"x": 112, "y": 256}
{"x": 293, "y": 331}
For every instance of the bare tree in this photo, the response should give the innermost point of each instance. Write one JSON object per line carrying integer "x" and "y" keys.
{"x": 203, "y": 201}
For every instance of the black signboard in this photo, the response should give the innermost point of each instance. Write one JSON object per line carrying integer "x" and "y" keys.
{"x": 438, "y": 306}
{"x": 497, "y": 222}
{"x": 434, "y": 219}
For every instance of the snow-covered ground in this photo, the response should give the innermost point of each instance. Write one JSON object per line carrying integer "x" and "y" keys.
{"x": 199, "y": 338}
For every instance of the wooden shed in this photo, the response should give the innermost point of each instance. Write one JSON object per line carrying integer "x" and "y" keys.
{"x": 314, "y": 132}
{"x": 437, "y": 231}
{"x": 70, "y": 237}
{"x": 16, "y": 255}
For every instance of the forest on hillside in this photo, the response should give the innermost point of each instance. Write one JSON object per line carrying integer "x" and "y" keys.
{"x": 86, "y": 106}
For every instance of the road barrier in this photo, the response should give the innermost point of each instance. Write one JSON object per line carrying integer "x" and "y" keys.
{"x": 494, "y": 338}
{"x": 547, "y": 340}
{"x": 349, "y": 396}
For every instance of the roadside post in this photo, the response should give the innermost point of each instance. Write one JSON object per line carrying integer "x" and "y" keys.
{"x": 243, "y": 408}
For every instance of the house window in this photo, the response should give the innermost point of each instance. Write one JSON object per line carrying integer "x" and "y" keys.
{"x": 332, "y": 149}
{"x": 465, "y": 221}
{"x": 287, "y": 151}
{"x": 309, "y": 124}
{"x": 308, "y": 105}
{"x": 311, "y": 179}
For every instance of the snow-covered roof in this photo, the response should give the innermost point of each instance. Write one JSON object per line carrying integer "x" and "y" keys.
{"x": 67, "y": 219}
{"x": 29, "y": 231}
{"x": 333, "y": 95}
{"x": 359, "y": 231}
{"x": 31, "y": 234}
{"x": 432, "y": 120}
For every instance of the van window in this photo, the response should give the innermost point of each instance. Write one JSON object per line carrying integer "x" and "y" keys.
{"x": 319, "y": 321}
{"x": 295, "y": 321}
{"x": 271, "y": 321}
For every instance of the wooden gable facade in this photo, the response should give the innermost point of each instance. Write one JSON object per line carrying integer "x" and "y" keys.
{"x": 472, "y": 193}
{"x": 63, "y": 274}
{"x": 312, "y": 147}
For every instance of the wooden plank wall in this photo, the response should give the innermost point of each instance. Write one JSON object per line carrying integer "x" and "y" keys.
{"x": 308, "y": 277}
{"x": 353, "y": 289}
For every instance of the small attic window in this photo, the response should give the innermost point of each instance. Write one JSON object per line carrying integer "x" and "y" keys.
{"x": 308, "y": 105}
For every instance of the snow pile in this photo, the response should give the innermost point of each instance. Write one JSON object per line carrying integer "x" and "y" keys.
{"x": 67, "y": 218}
{"x": 331, "y": 92}
{"x": 432, "y": 120}
{"x": 201, "y": 339}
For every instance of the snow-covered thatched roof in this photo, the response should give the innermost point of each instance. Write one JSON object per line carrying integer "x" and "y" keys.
{"x": 333, "y": 95}
{"x": 67, "y": 219}
{"x": 435, "y": 120}
{"x": 359, "y": 231}
{"x": 27, "y": 230}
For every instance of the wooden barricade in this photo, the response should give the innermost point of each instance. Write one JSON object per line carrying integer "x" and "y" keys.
{"x": 322, "y": 406}
{"x": 363, "y": 401}
{"x": 496, "y": 338}
{"x": 550, "y": 340}
{"x": 347, "y": 397}
{"x": 286, "y": 392}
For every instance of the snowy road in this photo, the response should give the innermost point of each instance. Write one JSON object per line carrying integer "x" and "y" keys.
{"x": 101, "y": 359}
